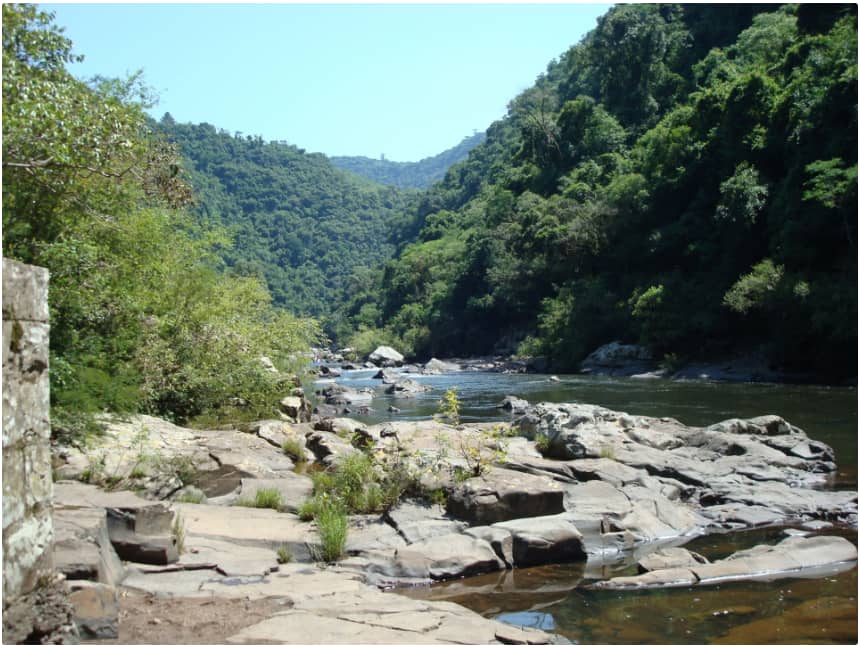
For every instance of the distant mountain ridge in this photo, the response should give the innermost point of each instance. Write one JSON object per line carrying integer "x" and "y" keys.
{"x": 418, "y": 175}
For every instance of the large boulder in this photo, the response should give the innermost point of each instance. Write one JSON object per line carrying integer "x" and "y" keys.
{"x": 503, "y": 494}
{"x": 407, "y": 388}
{"x": 618, "y": 359}
{"x": 437, "y": 366}
{"x": 452, "y": 555}
{"x": 552, "y": 539}
{"x": 386, "y": 356}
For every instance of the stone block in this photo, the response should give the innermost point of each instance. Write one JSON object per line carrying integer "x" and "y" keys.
{"x": 25, "y": 291}
{"x": 96, "y": 610}
{"x": 82, "y": 548}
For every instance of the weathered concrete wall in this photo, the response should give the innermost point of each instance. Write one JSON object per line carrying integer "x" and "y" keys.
{"x": 34, "y": 603}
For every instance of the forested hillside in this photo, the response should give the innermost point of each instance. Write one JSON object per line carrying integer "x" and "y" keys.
{"x": 685, "y": 177}
{"x": 143, "y": 314}
{"x": 419, "y": 175}
{"x": 309, "y": 229}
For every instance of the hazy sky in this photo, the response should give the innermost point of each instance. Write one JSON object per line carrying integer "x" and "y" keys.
{"x": 407, "y": 80}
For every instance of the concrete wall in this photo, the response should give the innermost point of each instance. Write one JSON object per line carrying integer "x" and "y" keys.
{"x": 27, "y": 484}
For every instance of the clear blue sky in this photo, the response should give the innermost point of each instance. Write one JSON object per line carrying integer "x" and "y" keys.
{"x": 405, "y": 80}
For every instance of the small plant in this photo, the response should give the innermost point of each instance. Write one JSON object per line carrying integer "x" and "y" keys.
{"x": 293, "y": 448}
{"x": 94, "y": 472}
{"x": 284, "y": 555}
{"x": 182, "y": 467}
{"x": 541, "y": 441}
{"x": 438, "y": 497}
{"x": 307, "y": 510}
{"x": 192, "y": 496}
{"x": 137, "y": 472}
{"x": 268, "y": 498}
{"x": 179, "y": 533}
{"x": 607, "y": 451}
{"x": 481, "y": 448}
{"x": 332, "y": 525}
{"x": 450, "y": 406}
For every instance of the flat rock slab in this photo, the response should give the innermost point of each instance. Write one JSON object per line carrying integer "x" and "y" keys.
{"x": 228, "y": 558}
{"x": 417, "y": 521}
{"x": 255, "y": 527}
{"x": 673, "y": 557}
{"x": 82, "y": 548}
{"x": 792, "y": 557}
{"x": 369, "y": 616}
{"x": 293, "y": 488}
{"x": 503, "y": 494}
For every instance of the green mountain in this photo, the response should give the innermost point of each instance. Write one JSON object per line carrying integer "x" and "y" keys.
{"x": 684, "y": 177}
{"x": 309, "y": 229}
{"x": 419, "y": 175}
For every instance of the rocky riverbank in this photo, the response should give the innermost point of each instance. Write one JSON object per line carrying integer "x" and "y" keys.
{"x": 561, "y": 483}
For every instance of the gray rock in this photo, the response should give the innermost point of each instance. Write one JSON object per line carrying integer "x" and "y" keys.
{"x": 792, "y": 557}
{"x": 386, "y": 356}
{"x": 96, "y": 610}
{"x": 417, "y": 521}
{"x": 552, "y": 539}
{"x": 513, "y": 404}
{"x": 503, "y": 494}
{"x": 387, "y": 376}
{"x": 500, "y": 539}
{"x": 293, "y": 488}
{"x": 82, "y": 548}
{"x": 327, "y": 447}
{"x": 407, "y": 388}
{"x": 437, "y": 367}
{"x": 618, "y": 359}
{"x": 672, "y": 557}
{"x": 453, "y": 555}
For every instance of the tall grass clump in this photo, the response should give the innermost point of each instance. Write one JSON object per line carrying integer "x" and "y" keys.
{"x": 332, "y": 525}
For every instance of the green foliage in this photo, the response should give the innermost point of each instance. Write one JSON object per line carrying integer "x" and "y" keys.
{"x": 284, "y": 555}
{"x": 755, "y": 288}
{"x": 263, "y": 498}
{"x": 450, "y": 406}
{"x": 418, "y": 175}
{"x": 293, "y": 448}
{"x": 627, "y": 194}
{"x": 191, "y": 497}
{"x": 144, "y": 315}
{"x": 481, "y": 448}
{"x": 332, "y": 524}
{"x": 299, "y": 223}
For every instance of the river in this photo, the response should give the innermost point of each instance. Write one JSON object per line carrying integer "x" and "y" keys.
{"x": 551, "y": 598}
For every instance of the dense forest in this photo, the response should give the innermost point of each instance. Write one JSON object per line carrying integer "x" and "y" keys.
{"x": 684, "y": 177}
{"x": 418, "y": 175}
{"x": 144, "y": 314}
{"x": 307, "y": 228}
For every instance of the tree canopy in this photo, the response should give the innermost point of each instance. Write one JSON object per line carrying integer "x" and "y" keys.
{"x": 144, "y": 316}
{"x": 684, "y": 177}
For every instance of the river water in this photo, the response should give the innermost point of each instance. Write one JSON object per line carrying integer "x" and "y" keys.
{"x": 797, "y": 611}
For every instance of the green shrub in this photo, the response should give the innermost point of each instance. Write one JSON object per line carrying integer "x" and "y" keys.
{"x": 293, "y": 448}
{"x": 263, "y": 498}
{"x": 332, "y": 524}
{"x": 191, "y": 497}
{"x": 284, "y": 555}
